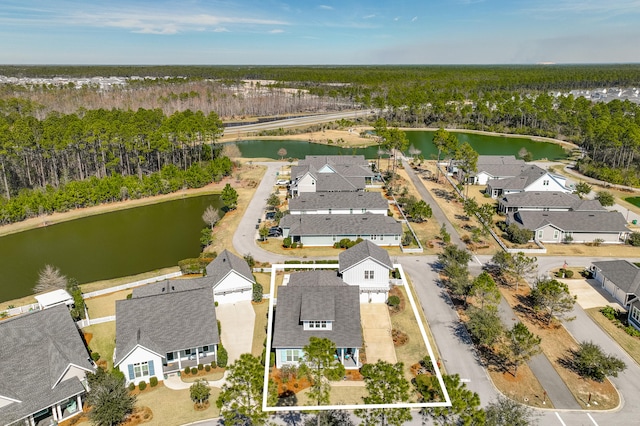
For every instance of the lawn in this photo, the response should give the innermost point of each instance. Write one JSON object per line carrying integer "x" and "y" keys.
{"x": 629, "y": 343}
{"x": 340, "y": 395}
{"x": 260, "y": 328}
{"x": 274, "y": 245}
{"x": 104, "y": 306}
{"x": 414, "y": 349}
{"x": 633, "y": 200}
{"x": 174, "y": 407}
{"x": 605, "y": 250}
{"x": 103, "y": 340}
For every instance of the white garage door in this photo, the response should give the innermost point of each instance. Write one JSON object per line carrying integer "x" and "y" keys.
{"x": 371, "y": 297}
{"x": 232, "y": 297}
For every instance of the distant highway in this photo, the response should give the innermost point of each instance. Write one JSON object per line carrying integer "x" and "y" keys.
{"x": 295, "y": 122}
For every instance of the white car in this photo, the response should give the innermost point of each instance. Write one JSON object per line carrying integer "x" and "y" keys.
{"x": 282, "y": 182}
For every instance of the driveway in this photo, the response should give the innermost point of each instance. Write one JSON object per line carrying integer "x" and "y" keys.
{"x": 376, "y": 327}
{"x": 589, "y": 294}
{"x": 237, "y": 321}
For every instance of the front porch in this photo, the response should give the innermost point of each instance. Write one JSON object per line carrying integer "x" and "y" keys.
{"x": 189, "y": 361}
{"x": 349, "y": 357}
{"x": 56, "y": 413}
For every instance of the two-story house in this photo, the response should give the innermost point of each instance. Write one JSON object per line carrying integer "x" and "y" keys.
{"x": 367, "y": 266}
{"x": 532, "y": 178}
{"x": 331, "y": 173}
{"x": 319, "y": 304}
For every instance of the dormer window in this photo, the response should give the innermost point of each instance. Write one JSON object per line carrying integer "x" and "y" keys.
{"x": 317, "y": 325}
{"x": 545, "y": 182}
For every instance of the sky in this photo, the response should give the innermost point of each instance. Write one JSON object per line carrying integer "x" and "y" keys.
{"x": 324, "y": 32}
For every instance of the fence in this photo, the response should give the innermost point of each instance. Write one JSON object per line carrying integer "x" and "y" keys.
{"x": 21, "y": 309}
{"x": 406, "y": 221}
{"x": 87, "y": 322}
{"x": 130, "y": 285}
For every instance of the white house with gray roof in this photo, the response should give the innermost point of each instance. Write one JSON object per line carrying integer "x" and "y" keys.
{"x": 228, "y": 275}
{"x": 161, "y": 334}
{"x": 319, "y": 304}
{"x": 581, "y": 226}
{"x": 43, "y": 367}
{"x": 532, "y": 179}
{"x": 621, "y": 279}
{"x": 330, "y": 173}
{"x": 339, "y": 203}
{"x": 327, "y": 229}
{"x": 492, "y": 167}
{"x": 367, "y": 266}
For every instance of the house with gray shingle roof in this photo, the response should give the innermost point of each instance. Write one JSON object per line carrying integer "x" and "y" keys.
{"x": 492, "y": 167}
{"x": 621, "y": 279}
{"x": 228, "y": 275}
{"x": 161, "y": 334}
{"x": 319, "y": 304}
{"x": 327, "y": 229}
{"x": 581, "y": 226}
{"x": 546, "y": 201}
{"x": 339, "y": 203}
{"x": 367, "y": 266}
{"x": 532, "y": 178}
{"x": 331, "y": 173}
{"x": 43, "y": 367}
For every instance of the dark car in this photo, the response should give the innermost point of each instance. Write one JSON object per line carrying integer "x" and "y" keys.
{"x": 270, "y": 216}
{"x": 275, "y": 232}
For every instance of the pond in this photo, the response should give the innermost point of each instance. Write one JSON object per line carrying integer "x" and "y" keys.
{"x": 421, "y": 139}
{"x": 104, "y": 246}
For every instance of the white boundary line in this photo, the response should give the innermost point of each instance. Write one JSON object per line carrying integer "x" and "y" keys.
{"x": 591, "y": 418}
{"x": 560, "y": 418}
{"x": 265, "y": 407}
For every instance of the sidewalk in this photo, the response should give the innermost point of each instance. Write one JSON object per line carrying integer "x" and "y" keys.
{"x": 174, "y": 382}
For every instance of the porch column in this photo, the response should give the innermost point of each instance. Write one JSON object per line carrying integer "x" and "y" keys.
{"x": 79, "y": 402}
{"x": 55, "y": 413}
{"x": 215, "y": 352}
{"x": 179, "y": 361}
{"x": 57, "y": 407}
{"x": 197, "y": 357}
{"x": 342, "y": 356}
{"x": 31, "y": 421}
{"x": 356, "y": 356}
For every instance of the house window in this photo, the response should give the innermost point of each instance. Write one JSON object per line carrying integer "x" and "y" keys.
{"x": 540, "y": 234}
{"x": 205, "y": 348}
{"x": 292, "y": 355}
{"x": 373, "y": 237}
{"x": 141, "y": 369}
{"x": 555, "y": 234}
{"x": 169, "y": 356}
{"x": 317, "y": 324}
{"x": 187, "y": 351}
{"x": 368, "y": 275}
{"x": 545, "y": 182}
{"x": 635, "y": 314}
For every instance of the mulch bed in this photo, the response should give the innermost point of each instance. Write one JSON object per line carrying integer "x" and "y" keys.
{"x": 295, "y": 384}
{"x": 399, "y": 337}
{"x": 395, "y": 291}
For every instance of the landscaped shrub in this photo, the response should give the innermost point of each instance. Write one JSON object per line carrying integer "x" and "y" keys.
{"x": 142, "y": 385}
{"x": 257, "y": 293}
{"x": 518, "y": 235}
{"x": 95, "y": 356}
{"x": 294, "y": 245}
{"x": 193, "y": 266}
{"x": 561, "y": 272}
{"x": 187, "y": 370}
{"x": 634, "y": 239}
{"x": 272, "y": 359}
{"x": 222, "y": 356}
{"x": 568, "y": 273}
{"x": 286, "y": 243}
{"x": 132, "y": 386}
{"x": 153, "y": 382}
{"x": 207, "y": 368}
{"x": 213, "y": 364}
{"x": 194, "y": 370}
{"x": 200, "y": 367}
{"x": 393, "y": 301}
{"x": 129, "y": 296}
{"x": 610, "y": 312}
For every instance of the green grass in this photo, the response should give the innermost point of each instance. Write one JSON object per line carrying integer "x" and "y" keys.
{"x": 633, "y": 200}
{"x": 103, "y": 306}
{"x": 174, "y": 407}
{"x": 260, "y": 328}
{"x": 103, "y": 340}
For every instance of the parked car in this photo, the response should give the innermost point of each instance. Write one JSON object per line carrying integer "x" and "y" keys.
{"x": 270, "y": 216}
{"x": 282, "y": 182}
{"x": 274, "y": 231}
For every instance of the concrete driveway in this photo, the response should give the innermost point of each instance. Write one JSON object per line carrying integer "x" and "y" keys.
{"x": 237, "y": 321}
{"x": 376, "y": 327}
{"x": 590, "y": 294}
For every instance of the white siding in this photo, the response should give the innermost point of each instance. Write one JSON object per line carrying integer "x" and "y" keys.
{"x": 306, "y": 184}
{"x": 355, "y": 274}
{"x": 374, "y": 296}
{"x": 233, "y": 288}
{"x": 552, "y": 184}
{"x": 325, "y": 241}
{"x": 74, "y": 371}
{"x": 233, "y": 297}
{"x": 138, "y": 355}
{"x": 340, "y": 211}
{"x": 554, "y": 235}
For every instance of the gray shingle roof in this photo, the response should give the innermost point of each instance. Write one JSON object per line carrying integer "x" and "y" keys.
{"x": 501, "y": 170}
{"x": 320, "y": 160}
{"x": 226, "y": 262}
{"x": 484, "y": 160}
{"x": 35, "y": 350}
{"x": 166, "y": 322}
{"x": 622, "y": 273}
{"x": 170, "y": 286}
{"x": 311, "y": 286}
{"x": 361, "y": 251}
{"x": 338, "y": 200}
{"x": 529, "y": 175}
{"x": 551, "y": 199}
{"x": 341, "y": 224}
{"x": 333, "y": 182}
{"x": 570, "y": 221}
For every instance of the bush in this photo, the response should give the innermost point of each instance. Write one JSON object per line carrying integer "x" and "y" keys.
{"x": 257, "y": 293}
{"x": 194, "y": 370}
{"x": 193, "y": 266}
{"x": 213, "y": 364}
{"x": 187, "y": 370}
{"x": 207, "y": 368}
{"x": 129, "y": 296}
{"x": 286, "y": 243}
{"x": 219, "y": 328}
{"x": 223, "y": 357}
{"x": 518, "y": 235}
{"x": 272, "y": 359}
{"x": 142, "y": 385}
{"x": 132, "y": 386}
{"x": 610, "y": 313}
{"x": 634, "y": 239}
{"x": 568, "y": 273}
{"x": 294, "y": 245}
{"x": 631, "y": 331}
{"x": 590, "y": 361}
{"x": 153, "y": 382}
{"x": 95, "y": 356}
{"x": 393, "y": 301}
{"x": 200, "y": 367}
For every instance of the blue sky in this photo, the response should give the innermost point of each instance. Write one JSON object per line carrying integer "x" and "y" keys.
{"x": 318, "y": 32}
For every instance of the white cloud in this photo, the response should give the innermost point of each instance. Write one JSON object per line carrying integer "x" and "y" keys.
{"x": 397, "y": 18}
{"x": 220, "y": 30}
{"x": 325, "y": 7}
{"x": 414, "y": 19}
{"x": 369, "y": 16}
{"x": 276, "y": 31}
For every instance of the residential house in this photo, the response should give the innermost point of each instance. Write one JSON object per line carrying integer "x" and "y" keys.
{"x": 327, "y": 229}
{"x": 580, "y": 226}
{"x": 319, "y": 304}
{"x": 161, "y": 334}
{"x": 43, "y": 367}
{"x": 332, "y": 173}
{"x": 532, "y": 178}
{"x": 339, "y": 203}
{"x": 621, "y": 279}
{"x": 546, "y": 201}
{"x": 228, "y": 275}
{"x": 492, "y": 167}
{"x": 367, "y": 266}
